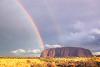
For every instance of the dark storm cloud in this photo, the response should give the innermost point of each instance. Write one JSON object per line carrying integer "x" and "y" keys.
{"x": 77, "y": 20}
{"x": 67, "y": 22}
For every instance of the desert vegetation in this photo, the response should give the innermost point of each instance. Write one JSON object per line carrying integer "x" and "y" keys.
{"x": 50, "y": 62}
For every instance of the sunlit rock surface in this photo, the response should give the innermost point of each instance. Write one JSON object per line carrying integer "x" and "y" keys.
{"x": 66, "y": 52}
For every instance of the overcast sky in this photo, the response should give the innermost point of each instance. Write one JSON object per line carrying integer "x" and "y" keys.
{"x": 74, "y": 23}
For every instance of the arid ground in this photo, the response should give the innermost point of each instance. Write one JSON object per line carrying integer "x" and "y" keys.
{"x": 49, "y": 62}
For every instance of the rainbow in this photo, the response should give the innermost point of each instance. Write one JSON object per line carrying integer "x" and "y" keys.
{"x": 33, "y": 24}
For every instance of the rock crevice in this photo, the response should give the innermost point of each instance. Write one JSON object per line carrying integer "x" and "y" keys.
{"x": 66, "y": 52}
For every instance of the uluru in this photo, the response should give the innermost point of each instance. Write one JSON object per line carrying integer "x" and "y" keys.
{"x": 66, "y": 52}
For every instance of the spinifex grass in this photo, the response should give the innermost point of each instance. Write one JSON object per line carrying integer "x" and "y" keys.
{"x": 49, "y": 62}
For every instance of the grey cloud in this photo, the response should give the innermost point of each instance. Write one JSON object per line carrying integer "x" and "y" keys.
{"x": 15, "y": 28}
{"x": 69, "y": 22}
{"x": 74, "y": 19}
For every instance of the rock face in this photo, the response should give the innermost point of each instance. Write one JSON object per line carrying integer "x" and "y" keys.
{"x": 66, "y": 52}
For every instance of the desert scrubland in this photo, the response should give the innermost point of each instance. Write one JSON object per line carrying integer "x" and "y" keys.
{"x": 50, "y": 62}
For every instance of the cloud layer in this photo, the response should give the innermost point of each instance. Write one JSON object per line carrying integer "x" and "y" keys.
{"x": 68, "y": 22}
{"x": 60, "y": 22}
{"x": 96, "y": 53}
{"x": 52, "y": 46}
{"x": 16, "y": 30}
{"x": 23, "y": 52}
